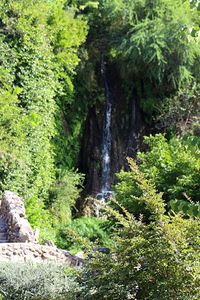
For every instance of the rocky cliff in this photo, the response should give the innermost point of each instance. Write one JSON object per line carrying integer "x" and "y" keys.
{"x": 127, "y": 129}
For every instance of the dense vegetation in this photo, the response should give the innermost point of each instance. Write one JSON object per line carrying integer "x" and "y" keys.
{"x": 50, "y": 50}
{"x": 31, "y": 281}
{"x": 39, "y": 46}
{"x": 151, "y": 256}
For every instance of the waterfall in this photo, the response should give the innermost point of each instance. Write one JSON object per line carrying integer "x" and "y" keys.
{"x": 106, "y": 142}
{"x": 106, "y": 137}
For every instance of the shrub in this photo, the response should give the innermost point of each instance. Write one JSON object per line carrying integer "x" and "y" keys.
{"x": 80, "y": 233}
{"x": 33, "y": 281}
{"x": 64, "y": 194}
{"x": 180, "y": 112}
{"x": 187, "y": 207}
{"x": 148, "y": 261}
{"x": 173, "y": 166}
{"x": 48, "y": 217}
{"x": 137, "y": 194}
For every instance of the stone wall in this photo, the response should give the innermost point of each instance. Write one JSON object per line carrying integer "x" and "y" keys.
{"x": 31, "y": 252}
{"x": 13, "y": 211}
{"x": 21, "y": 244}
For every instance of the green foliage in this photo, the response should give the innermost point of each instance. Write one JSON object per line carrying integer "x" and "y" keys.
{"x": 150, "y": 43}
{"x": 64, "y": 195}
{"x": 34, "y": 281}
{"x": 156, "y": 37}
{"x": 187, "y": 207}
{"x": 154, "y": 260}
{"x": 41, "y": 218}
{"x": 39, "y": 53}
{"x": 137, "y": 194}
{"x": 56, "y": 211}
{"x": 196, "y": 27}
{"x": 147, "y": 262}
{"x": 173, "y": 166}
{"x": 81, "y": 232}
{"x": 180, "y": 113}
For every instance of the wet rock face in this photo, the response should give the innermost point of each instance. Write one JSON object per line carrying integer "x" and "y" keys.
{"x": 12, "y": 211}
{"x": 90, "y": 154}
{"x": 127, "y": 129}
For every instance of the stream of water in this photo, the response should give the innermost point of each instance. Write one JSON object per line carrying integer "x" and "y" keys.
{"x": 106, "y": 142}
{"x": 106, "y": 137}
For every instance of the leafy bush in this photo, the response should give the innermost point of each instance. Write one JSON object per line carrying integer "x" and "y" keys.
{"x": 40, "y": 218}
{"x": 56, "y": 212}
{"x": 158, "y": 259}
{"x": 82, "y": 232}
{"x": 187, "y": 207}
{"x": 137, "y": 194}
{"x": 180, "y": 113}
{"x": 34, "y": 281}
{"x": 63, "y": 196}
{"x": 173, "y": 166}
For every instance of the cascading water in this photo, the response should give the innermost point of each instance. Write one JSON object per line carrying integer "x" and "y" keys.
{"x": 106, "y": 141}
{"x": 106, "y": 138}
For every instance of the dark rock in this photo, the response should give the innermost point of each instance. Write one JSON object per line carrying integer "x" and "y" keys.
{"x": 127, "y": 127}
{"x": 103, "y": 250}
